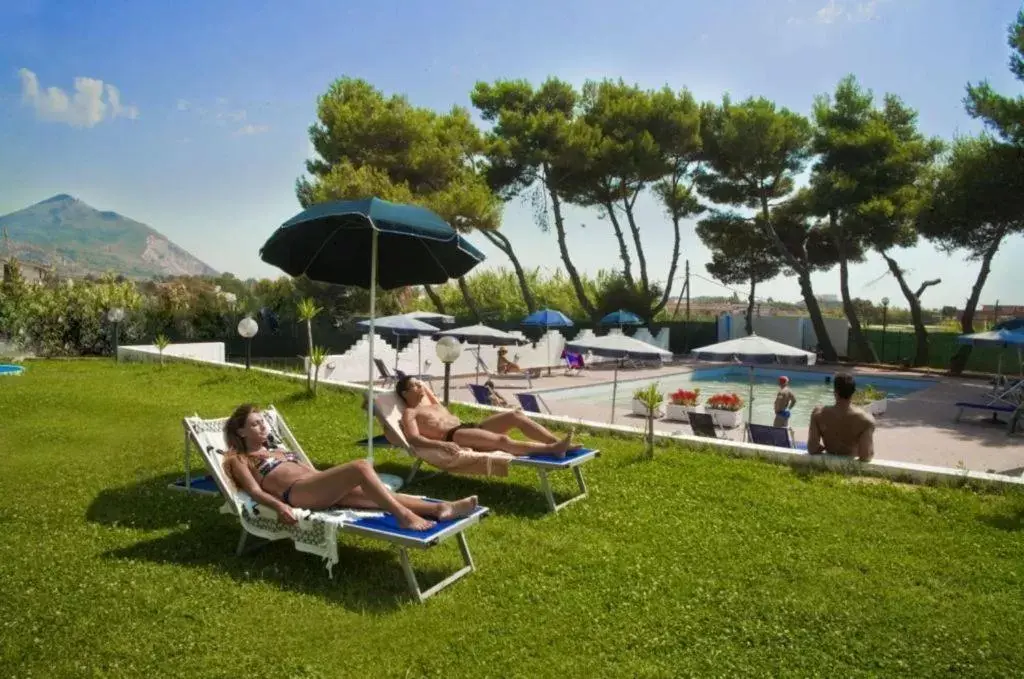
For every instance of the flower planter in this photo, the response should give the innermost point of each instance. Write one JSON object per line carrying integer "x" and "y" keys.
{"x": 639, "y": 408}
{"x": 678, "y": 413}
{"x": 727, "y": 418}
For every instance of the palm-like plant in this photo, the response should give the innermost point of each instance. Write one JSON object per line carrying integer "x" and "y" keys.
{"x": 161, "y": 342}
{"x": 652, "y": 398}
{"x": 307, "y": 310}
{"x": 316, "y": 358}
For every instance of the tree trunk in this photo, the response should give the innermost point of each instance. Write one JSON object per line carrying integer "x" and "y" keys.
{"x": 309, "y": 354}
{"x": 563, "y": 248}
{"x": 959, "y": 360}
{"x": 865, "y": 351}
{"x": 435, "y": 299}
{"x": 640, "y": 258}
{"x": 803, "y": 272}
{"x": 503, "y": 244}
{"x": 921, "y": 357}
{"x": 474, "y": 309}
{"x": 828, "y": 351}
{"x": 627, "y": 264}
{"x": 673, "y": 263}
{"x": 750, "y": 306}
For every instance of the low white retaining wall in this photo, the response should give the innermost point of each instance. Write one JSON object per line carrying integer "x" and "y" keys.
{"x": 210, "y": 352}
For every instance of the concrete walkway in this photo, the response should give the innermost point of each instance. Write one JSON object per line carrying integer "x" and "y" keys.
{"x": 917, "y": 428}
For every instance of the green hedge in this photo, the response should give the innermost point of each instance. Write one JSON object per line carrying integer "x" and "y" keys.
{"x": 896, "y": 346}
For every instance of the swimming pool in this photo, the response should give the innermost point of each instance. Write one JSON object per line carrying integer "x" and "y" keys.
{"x": 7, "y": 369}
{"x": 809, "y": 388}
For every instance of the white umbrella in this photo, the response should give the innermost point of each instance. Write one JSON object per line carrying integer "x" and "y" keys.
{"x": 482, "y": 334}
{"x": 430, "y": 317}
{"x": 753, "y": 349}
{"x": 618, "y": 347}
{"x": 404, "y": 324}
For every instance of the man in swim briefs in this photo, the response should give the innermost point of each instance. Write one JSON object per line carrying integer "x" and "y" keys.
{"x": 429, "y": 424}
{"x": 843, "y": 428}
{"x": 784, "y": 402}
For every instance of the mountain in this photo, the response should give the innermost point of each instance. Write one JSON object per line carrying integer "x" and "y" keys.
{"x": 78, "y": 239}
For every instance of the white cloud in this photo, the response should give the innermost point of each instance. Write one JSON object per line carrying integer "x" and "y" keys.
{"x": 830, "y": 12}
{"x": 836, "y": 11}
{"x": 86, "y": 107}
{"x": 252, "y": 129}
{"x": 222, "y": 114}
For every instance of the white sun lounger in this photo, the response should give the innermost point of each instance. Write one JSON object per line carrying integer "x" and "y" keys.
{"x": 316, "y": 532}
{"x": 389, "y": 410}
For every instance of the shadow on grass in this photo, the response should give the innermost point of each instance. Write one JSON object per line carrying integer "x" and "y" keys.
{"x": 1011, "y": 521}
{"x": 367, "y": 576}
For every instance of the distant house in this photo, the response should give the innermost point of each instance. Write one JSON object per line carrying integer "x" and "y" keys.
{"x": 991, "y": 313}
{"x": 30, "y": 271}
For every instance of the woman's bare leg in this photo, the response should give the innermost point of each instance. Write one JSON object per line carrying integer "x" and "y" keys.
{"x": 502, "y": 423}
{"x": 443, "y": 511}
{"x": 488, "y": 441}
{"x": 327, "y": 488}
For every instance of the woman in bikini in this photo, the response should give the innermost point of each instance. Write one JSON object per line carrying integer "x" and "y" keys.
{"x": 281, "y": 480}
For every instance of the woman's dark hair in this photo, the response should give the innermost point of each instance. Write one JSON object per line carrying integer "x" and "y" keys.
{"x": 844, "y": 385}
{"x": 402, "y": 385}
{"x": 237, "y": 421}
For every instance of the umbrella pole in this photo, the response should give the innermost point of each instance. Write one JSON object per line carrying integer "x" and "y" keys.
{"x": 479, "y": 358}
{"x": 750, "y": 404}
{"x": 547, "y": 332}
{"x": 615, "y": 390}
{"x": 369, "y": 367}
{"x": 419, "y": 355}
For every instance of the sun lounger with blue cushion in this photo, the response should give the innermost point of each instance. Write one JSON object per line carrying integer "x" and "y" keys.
{"x": 316, "y": 532}
{"x": 778, "y": 437}
{"x": 388, "y": 412}
{"x": 994, "y": 408}
{"x": 532, "y": 403}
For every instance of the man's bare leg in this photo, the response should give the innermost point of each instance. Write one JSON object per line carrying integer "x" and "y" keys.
{"x": 489, "y": 441}
{"x": 503, "y": 423}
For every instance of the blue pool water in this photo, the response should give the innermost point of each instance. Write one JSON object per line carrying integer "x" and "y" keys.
{"x": 7, "y": 369}
{"x": 809, "y": 388}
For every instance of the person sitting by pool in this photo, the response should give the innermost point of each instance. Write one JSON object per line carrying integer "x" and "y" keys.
{"x": 428, "y": 424}
{"x": 784, "y": 402}
{"x": 493, "y": 396}
{"x": 281, "y": 480}
{"x": 843, "y": 428}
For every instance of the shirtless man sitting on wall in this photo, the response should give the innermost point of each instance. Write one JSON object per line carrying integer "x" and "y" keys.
{"x": 430, "y": 425}
{"x": 842, "y": 429}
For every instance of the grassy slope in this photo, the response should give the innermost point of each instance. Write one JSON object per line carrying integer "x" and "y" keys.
{"x": 691, "y": 564}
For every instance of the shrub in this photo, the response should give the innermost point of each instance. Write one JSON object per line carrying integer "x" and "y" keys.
{"x": 685, "y": 397}
{"x": 731, "y": 402}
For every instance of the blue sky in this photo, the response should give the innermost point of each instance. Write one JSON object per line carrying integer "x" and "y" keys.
{"x": 192, "y": 116}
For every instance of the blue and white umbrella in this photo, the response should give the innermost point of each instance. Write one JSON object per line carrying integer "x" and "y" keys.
{"x": 1000, "y": 338}
{"x": 547, "y": 318}
{"x": 404, "y": 325}
{"x": 621, "y": 318}
{"x": 619, "y": 347}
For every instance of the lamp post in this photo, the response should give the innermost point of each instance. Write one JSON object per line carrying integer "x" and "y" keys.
{"x": 115, "y": 316}
{"x": 885, "y": 322}
{"x": 448, "y": 350}
{"x": 247, "y": 328}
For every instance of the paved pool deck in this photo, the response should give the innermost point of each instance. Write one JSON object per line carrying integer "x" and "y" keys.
{"x": 918, "y": 428}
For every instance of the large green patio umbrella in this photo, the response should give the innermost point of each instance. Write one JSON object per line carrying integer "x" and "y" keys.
{"x": 370, "y": 243}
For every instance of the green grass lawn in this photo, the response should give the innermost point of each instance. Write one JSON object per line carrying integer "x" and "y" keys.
{"x": 691, "y": 564}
